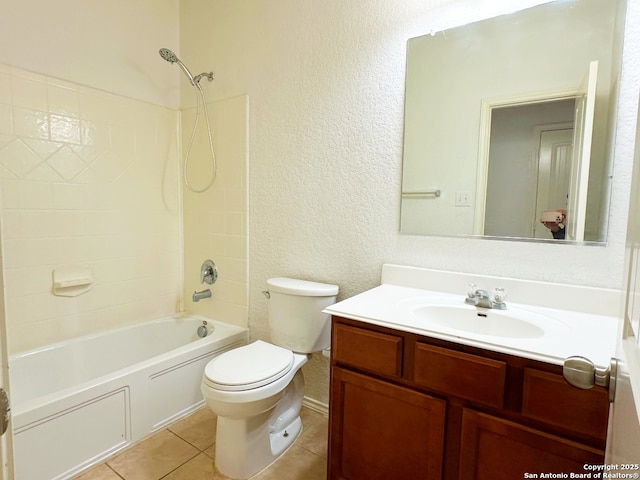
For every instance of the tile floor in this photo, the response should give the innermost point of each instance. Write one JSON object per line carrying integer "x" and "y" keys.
{"x": 185, "y": 451}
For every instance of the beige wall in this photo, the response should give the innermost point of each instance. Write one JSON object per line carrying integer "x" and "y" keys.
{"x": 88, "y": 179}
{"x": 89, "y": 158}
{"x": 215, "y": 221}
{"x": 112, "y": 45}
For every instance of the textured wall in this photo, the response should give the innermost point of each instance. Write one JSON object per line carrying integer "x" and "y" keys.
{"x": 325, "y": 82}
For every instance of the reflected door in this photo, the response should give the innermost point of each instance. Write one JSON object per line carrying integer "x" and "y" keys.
{"x": 554, "y": 170}
{"x": 527, "y": 165}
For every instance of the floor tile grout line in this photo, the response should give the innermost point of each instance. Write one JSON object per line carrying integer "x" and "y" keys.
{"x": 109, "y": 467}
{"x": 190, "y": 443}
{"x": 201, "y": 450}
{"x": 198, "y": 452}
{"x": 311, "y": 422}
{"x": 311, "y": 451}
{"x": 180, "y": 466}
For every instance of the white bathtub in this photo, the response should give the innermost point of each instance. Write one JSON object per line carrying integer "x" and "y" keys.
{"x": 75, "y": 403}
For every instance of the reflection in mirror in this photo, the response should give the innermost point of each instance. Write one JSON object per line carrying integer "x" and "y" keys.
{"x": 513, "y": 128}
{"x": 511, "y": 117}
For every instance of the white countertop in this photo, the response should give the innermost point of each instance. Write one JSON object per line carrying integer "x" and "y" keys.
{"x": 591, "y": 335}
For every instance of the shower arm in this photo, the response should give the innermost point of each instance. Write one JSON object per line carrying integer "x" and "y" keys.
{"x": 197, "y": 78}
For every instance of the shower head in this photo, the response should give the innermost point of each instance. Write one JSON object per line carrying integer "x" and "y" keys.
{"x": 171, "y": 57}
{"x": 168, "y": 55}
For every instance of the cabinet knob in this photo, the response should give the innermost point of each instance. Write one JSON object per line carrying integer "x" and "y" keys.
{"x": 582, "y": 373}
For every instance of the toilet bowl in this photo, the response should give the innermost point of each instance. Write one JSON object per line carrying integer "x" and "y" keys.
{"x": 257, "y": 390}
{"x": 251, "y": 431}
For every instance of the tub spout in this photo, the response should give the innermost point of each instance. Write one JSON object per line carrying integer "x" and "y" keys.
{"x": 197, "y": 296}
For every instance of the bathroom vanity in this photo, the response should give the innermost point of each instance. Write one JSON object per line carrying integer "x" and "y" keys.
{"x": 411, "y": 399}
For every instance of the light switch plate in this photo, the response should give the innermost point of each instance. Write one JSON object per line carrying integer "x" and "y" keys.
{"x": 463, "y": 199}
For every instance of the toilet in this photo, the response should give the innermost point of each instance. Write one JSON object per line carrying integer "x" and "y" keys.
{"x": 257, "y": 390}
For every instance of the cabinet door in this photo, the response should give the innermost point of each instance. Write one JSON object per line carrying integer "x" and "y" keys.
{"x": 383, "y": 431}
{"x": 549, "y": 398}
{"x": 495, "y": 449}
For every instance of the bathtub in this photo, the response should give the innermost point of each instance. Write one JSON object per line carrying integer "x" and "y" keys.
{"x": 77, "y": 402}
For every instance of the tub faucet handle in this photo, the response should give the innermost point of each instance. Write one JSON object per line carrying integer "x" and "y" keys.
{"x": 208, "y": 272}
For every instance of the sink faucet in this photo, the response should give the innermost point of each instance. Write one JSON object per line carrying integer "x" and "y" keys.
{"x": 481, "y": 298}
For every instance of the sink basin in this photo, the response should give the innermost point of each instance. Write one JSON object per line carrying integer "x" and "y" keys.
{"x": 462, "y": 319}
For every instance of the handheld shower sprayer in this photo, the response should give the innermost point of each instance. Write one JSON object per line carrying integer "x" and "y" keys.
{"x": 168, "y": 55}
{"x": 172, "y": 58}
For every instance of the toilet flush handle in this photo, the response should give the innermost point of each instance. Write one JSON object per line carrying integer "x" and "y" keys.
{"x": 266, "y": 294}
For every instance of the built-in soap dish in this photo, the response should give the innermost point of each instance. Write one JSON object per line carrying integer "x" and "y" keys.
{"x": 71, "y": 281}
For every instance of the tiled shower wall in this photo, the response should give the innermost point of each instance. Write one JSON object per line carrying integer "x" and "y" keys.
{"x": 215, "y": 221}
{"x": 88, "y": 179}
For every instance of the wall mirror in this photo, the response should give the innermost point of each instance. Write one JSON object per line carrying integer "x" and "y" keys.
{"x": 510, "y": 117}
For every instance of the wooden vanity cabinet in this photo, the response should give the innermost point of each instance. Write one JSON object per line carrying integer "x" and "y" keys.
{"x": 404, "y": 406}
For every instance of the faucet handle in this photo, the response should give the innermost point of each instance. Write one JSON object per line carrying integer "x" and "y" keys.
{"x": 472, "y": 288}
{"x": 208, "y": 272}
{"x": 499, "y": 295}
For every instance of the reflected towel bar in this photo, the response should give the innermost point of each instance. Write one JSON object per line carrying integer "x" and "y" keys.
{"x": 425, "y": 193}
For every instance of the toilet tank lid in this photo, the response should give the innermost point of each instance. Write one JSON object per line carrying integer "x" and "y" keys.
{"x": 294, "y": 286}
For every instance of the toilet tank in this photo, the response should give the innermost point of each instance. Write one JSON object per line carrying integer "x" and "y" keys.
{"x": 296, "y": 320}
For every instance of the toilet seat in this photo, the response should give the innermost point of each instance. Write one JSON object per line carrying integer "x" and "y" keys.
{"x": 248, "y": 367}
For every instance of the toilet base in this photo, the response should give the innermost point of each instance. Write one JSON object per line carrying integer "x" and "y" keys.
{"x": 249, "y": 447}
{"x": 280, "y": 441}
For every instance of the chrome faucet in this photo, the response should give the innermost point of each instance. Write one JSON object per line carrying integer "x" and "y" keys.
{"x": 197, "y": 296}
{"x": 481, "y": 298}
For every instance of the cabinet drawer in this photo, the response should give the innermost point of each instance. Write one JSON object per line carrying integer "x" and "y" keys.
{"x": 460, "y": 374}
{"x": 373, "y": 351}
{"x": 549, "y": 398}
